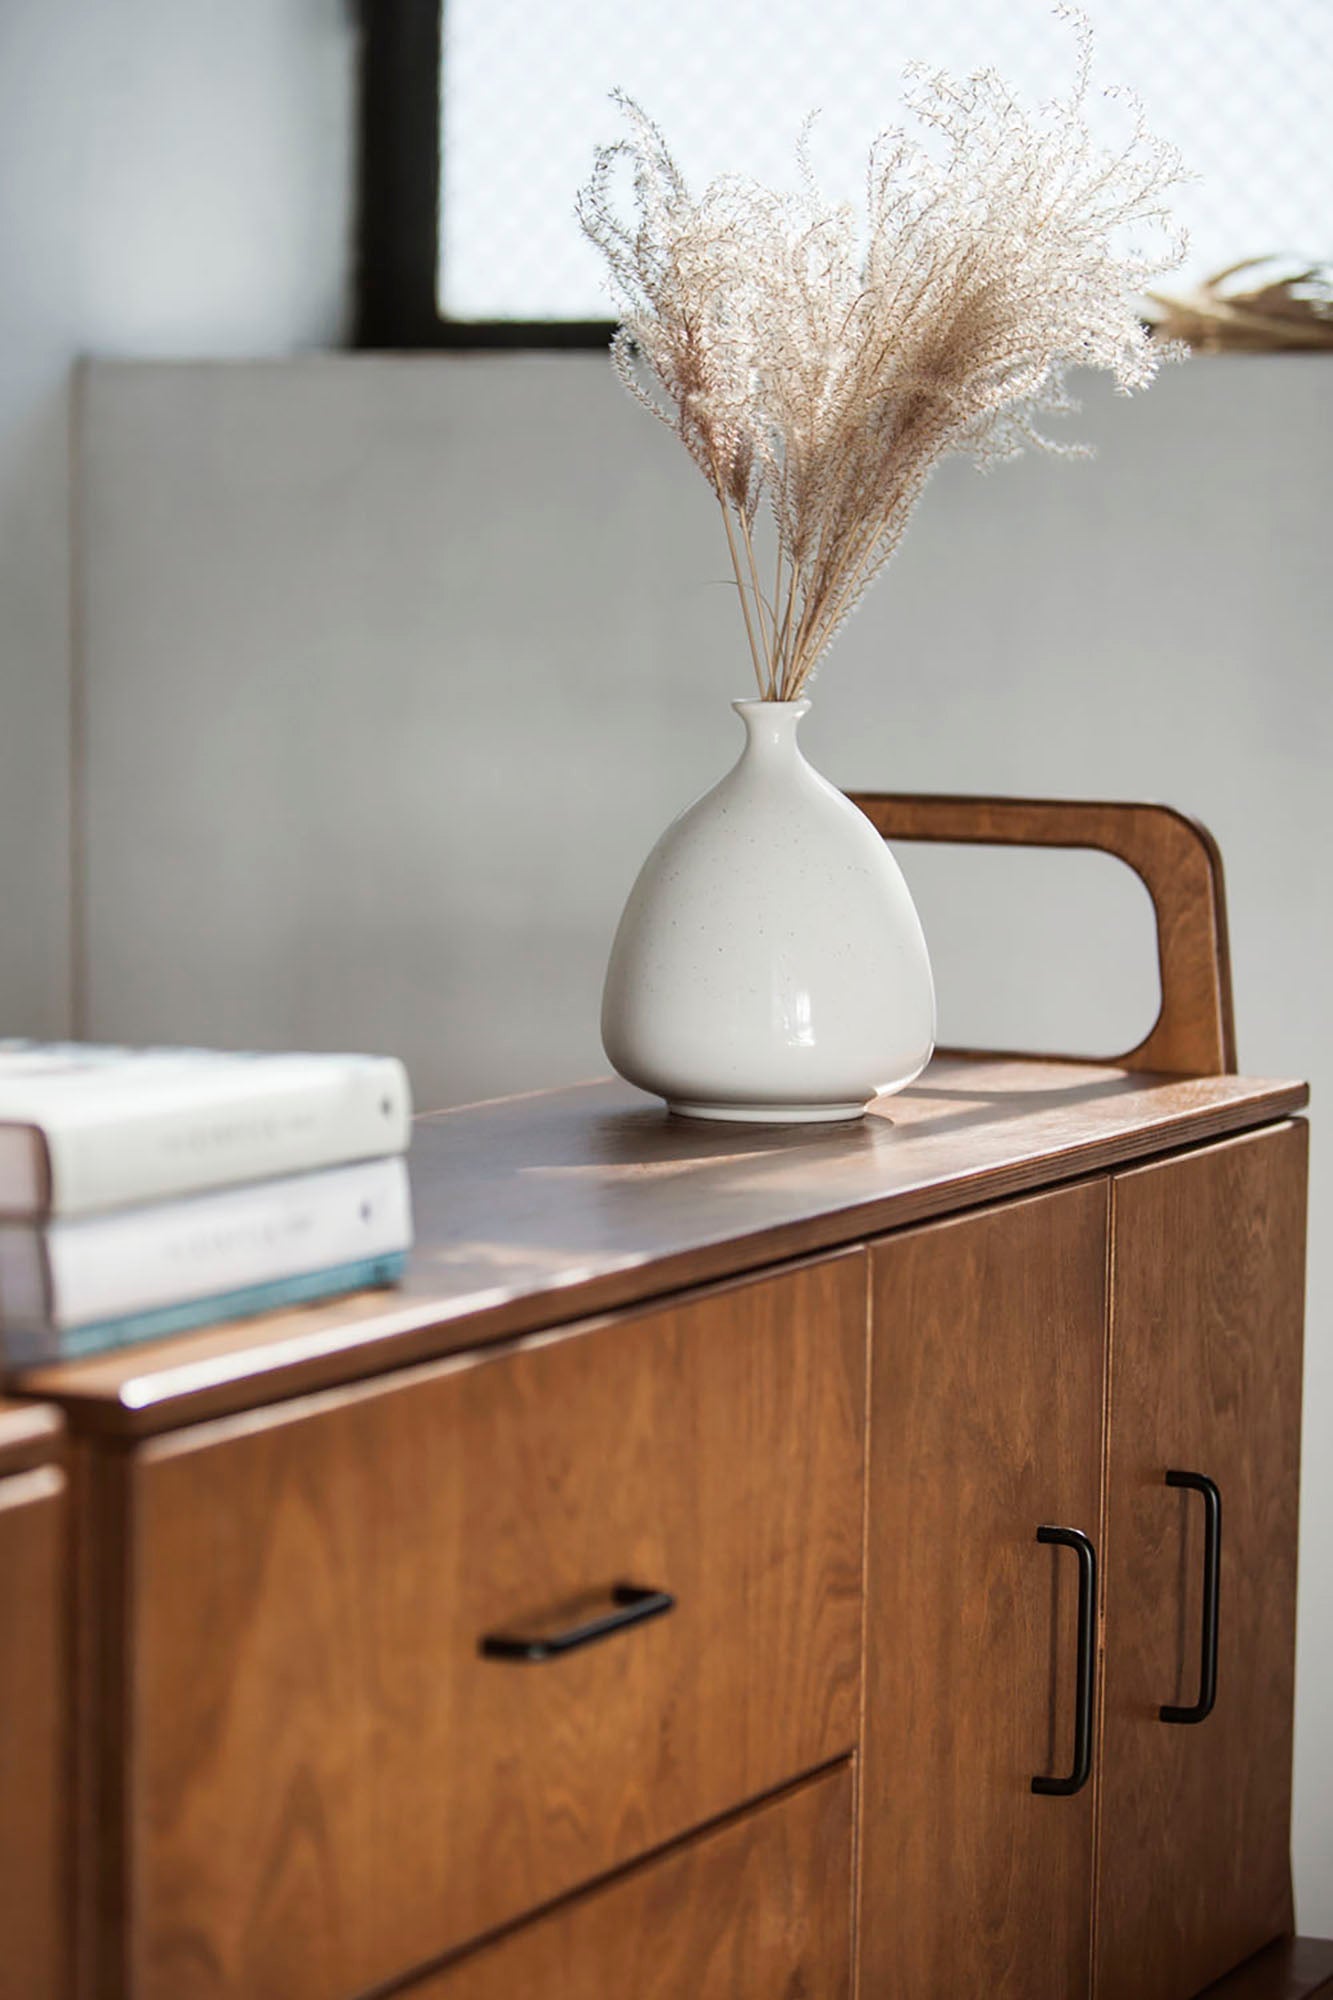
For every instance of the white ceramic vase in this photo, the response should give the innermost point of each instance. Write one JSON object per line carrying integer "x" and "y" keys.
{"x": 769, "y": 964}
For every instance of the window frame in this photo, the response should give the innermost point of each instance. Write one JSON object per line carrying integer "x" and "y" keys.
{"x": 397, "y": 232}
{"x": 398, "y": 198}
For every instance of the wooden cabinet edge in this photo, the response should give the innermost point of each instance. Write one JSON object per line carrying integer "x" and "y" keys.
{"x": 35, "y": 1509}
{"x": 182, "y": 1436}
{"x": 102, "y": 1741}
{"x": 30, "y": 1434}
{"x": 109, "y": 1396}
{"x": 1293, "y": 1968}
{"x": 867, "y": 1528}
{"x": 1294, "y": 1122}
{"x": 120, "y": 1426}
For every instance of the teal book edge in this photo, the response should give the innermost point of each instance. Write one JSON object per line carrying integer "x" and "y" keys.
{"x": 76, "y": 1343}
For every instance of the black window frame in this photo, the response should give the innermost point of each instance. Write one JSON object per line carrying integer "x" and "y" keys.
{"x": 398, "y": 198}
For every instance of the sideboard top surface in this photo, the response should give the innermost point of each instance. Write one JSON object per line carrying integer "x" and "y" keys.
{"x": 536, "y": 1210}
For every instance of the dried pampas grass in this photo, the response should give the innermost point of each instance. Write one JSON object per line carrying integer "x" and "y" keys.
{"x": 824, "y": 365}
{"x": 1265, "y": 305}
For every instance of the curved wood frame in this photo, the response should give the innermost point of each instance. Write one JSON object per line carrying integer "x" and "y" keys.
{"x": 1180, "y": 866}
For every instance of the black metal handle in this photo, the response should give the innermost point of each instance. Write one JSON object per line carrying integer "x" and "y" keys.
{"x": 633, "y": 1605}
{"x": 1075, "y": 1539}
{"x": 1199, "y": 1482}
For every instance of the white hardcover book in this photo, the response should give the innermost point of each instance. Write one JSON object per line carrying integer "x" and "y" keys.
{"x": 71, "y": 1273}
{"x": 83, "y": 1127}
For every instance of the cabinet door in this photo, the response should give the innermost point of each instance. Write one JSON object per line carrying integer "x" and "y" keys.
{"x": 1206, "y": 1378}
{"x": 33, "y": 1924}
{"x": 759, "y": 1909}
{"x": 986, "y": 1424}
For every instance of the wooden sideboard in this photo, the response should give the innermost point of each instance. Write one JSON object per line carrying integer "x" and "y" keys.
{"x": 739, "y": 1564}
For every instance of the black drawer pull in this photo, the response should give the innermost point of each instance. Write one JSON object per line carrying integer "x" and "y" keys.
{"x": 1199, "y": 1482}
{"x": 1075, "y": 1539}
{"x": 633, "y": 1605}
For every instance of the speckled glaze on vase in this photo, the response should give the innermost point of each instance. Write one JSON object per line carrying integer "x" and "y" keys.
{"x": 769, "y": 964}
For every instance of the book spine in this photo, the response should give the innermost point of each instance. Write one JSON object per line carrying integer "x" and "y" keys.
{"x": 31, "y": 1347}
{"x": 260, "y": 1120}
{"x": 140, "y": 1260}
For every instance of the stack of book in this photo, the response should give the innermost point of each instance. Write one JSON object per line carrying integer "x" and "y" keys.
{"x": 146, "y": 1192}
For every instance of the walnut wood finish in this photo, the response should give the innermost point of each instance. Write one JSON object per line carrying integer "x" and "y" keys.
{"x": 103, "y": 1681}
{"x": 30, "y": 1434}
{"x": 545, "y": 1208}
{"x": 986, "y": 1423}
{"x": 1206, "y": 1377}
{"x": 1292, "y": 1969}
{"x": 761, "y": 1908}
{"x": 326, "y": 1783}
{"x": 1178, "y": 862}
{"x": 34, "y": 1576}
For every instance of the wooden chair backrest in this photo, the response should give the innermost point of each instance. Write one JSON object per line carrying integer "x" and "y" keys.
{"x": 1177, "y": 859}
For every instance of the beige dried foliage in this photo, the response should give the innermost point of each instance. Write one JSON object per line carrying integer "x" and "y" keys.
{"x": 1263, "y": 305}
{"x": 824, "y": 364}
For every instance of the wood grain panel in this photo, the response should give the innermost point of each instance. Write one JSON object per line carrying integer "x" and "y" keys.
{"x": 34, "y": 1699}
{"x": 570, "y": 1202}
{"x": 328, "y": 1785}
{"x": 986, "y": 1414}
{"x": 1206, "y": 1377}
{"x": 758, "y": 1910}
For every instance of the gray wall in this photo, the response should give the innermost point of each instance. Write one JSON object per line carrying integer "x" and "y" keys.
{"x": 173, "y": 179}
{"x": 395, "y": 668}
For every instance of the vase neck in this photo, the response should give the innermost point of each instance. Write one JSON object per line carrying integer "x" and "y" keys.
{"x": 770, "y": 729}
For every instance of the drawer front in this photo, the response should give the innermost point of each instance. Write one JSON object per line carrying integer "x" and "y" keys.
{"x": 758, "y": 1910}
{"x": 34, "y": 1924}
{"x": 329, "y": 1782}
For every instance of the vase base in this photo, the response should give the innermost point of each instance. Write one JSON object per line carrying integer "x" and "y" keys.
{"x": 769, "y": 1114}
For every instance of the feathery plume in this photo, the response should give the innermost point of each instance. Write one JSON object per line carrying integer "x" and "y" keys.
{"x": 822, "y": 366}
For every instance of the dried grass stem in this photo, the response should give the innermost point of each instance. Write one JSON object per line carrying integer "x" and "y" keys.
{"x": 817, "y": 366}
